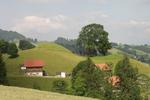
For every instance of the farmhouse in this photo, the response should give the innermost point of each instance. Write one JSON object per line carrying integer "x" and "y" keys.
{"x": 33, "y": 67}
{"x": 114, "y": 80}
{"x": 103, "y": 67}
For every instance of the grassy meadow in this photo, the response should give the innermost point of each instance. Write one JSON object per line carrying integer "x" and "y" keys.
{"x": 58, "y": 58}
{"x": 55, "y": 57}
{"x": 15, "y": 93}
{"x": 41, "y": 83}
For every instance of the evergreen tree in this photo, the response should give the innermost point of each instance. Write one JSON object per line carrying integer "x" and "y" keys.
{"x": 12, "y": 50}
{"x": 2, "y": 71}
{"x": 128, "y": 88}
{"x": 3, "y": 46}
{"x": 88, "y": 80}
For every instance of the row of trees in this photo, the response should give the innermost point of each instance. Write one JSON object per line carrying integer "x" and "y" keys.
{"x": 134, "y": 51}
{"x": 88, "y": 80}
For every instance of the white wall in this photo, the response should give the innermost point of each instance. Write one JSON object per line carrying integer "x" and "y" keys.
{"x": 34, "y": 73}
{"x": 63, "y": 74}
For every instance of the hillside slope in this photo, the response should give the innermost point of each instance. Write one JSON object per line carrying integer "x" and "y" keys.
{"x": 57, "y": 59}
{"x": 15, "y": 93}
{"x": 10, "y": 35}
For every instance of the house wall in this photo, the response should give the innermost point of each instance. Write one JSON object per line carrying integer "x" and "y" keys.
{"x": 34, "y": 73}
{"x": 63, "y": 74}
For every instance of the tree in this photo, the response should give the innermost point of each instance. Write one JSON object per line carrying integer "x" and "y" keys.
{"x": 12, "y": 50}
{"x": 3, "y": 46}
{"x": 24, "y": 45}
{"x": 128, "y": 88}
{"x": 88, "y": 80}
{"x": 2, "y": 71}
{"x": 94, "y": 39}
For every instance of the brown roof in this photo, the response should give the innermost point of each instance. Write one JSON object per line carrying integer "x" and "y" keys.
{"x": 103, "y": 66}
{"x": 114, "y": 80}
{"x": 34, "y": 63}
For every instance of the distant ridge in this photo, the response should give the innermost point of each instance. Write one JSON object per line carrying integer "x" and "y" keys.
{"x": 10, "y": 35}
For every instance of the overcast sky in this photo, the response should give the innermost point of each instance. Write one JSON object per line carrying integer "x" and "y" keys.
{"x": 127, "y": 21}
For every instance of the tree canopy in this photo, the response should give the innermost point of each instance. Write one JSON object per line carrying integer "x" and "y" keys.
{"x": 24, "y": 45}
{"x": 94, "y": 39}
{"x": 128, "y": 88}
{"x": 9, "y": 48}
{"x": 3, "y": 46}
{"x": 12, "y": 50}
{"x": 88, "y": 80}
{"x": 2, "y": 71}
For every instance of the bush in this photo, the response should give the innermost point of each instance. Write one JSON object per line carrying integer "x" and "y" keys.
{"x": 60, "y": 86}
{"x": 36, "y": 86}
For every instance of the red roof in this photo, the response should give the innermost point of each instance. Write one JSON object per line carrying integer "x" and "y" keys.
{"x": 34, "y": 63}
{"x": 114, "y": 80}
{"x": 103, "y": 66}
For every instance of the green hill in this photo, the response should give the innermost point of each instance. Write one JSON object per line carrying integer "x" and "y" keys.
{"x": 15, "y": 93}
{"x": 10, "y": 35}
{"x": 57, "y": 58}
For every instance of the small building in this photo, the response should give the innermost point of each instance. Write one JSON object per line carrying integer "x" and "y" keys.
{"x": 103, "y": 67}
{"x": 33, "y": 67}
{"x": 61, "y": 74}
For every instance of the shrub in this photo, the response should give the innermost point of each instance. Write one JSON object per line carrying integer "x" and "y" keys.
{"x": 60, "y": 86}
{"x": 36, "y": 86}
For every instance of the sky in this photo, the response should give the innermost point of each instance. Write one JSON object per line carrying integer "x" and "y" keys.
{"x": 126, "y": 21}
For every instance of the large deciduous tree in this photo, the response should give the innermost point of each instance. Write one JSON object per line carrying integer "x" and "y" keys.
{"x": 128, "y": 88}
{"x": 94, "y": 39}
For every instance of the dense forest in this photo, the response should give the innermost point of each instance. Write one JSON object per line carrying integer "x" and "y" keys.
{"x": 10, "y": 35}
{"x": 14, "y": 36}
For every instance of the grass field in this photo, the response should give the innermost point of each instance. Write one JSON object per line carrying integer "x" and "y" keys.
{"x": 57, "y": 59}
{"x": 42, "y": 83}
{"x": 15, "y": 93}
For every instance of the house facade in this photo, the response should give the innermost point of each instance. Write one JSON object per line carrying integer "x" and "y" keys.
{"x": 33, "y": 67}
